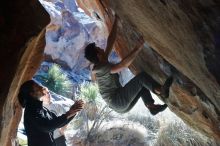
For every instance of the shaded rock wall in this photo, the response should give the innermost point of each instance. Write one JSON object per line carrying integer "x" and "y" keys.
{"x": 20, "y": 55}
{"x": 183, "y": 40}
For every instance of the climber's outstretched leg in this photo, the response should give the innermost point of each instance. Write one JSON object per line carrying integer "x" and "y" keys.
{"x": 140, "y": 86}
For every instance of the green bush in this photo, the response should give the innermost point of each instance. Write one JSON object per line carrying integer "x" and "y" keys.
{"x": 89, "y": 91}
{"x": 22, "y": 142}
{"x": 56, "y": 81}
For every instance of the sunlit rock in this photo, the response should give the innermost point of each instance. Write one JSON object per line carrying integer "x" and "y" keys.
{"x": 69, "y": 32}
{"x": 182, "y": 38}
{"x": 183, "y": 41}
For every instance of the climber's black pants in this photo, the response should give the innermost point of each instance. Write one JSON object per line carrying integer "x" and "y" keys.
{"x": 126, "y": 97}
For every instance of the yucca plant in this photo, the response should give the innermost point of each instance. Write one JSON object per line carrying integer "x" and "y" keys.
{"x": 89, "y": 92}
{"x": 56, "y": 80}
{"x": 94, "y": 112}
{"x": 22, "y": 142}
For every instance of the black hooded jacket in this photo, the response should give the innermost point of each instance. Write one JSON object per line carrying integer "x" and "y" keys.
{"x": 40, "y": 123}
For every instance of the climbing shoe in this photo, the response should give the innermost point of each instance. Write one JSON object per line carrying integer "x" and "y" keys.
{"x": 166, "y": 87}
{"x": 156, "y": 108}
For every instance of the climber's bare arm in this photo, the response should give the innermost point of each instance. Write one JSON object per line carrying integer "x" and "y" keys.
{"x": 129, "y": 58}
{"x": 93, "y": 76}
{"x": 111, "y": 38}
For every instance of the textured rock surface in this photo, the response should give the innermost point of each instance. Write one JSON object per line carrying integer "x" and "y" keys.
{"x": 69, "y": 32}
{"x": 183, "y": 40}
{"x": 20, "y": 21}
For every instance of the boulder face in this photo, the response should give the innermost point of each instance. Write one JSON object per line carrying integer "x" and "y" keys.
{"x": 22, "y": 42}
{"x": 69, "y": 31}
{"x": 183, "y": 40}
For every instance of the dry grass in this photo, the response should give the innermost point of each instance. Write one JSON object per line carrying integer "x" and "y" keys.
{"x": 178, "y": 134}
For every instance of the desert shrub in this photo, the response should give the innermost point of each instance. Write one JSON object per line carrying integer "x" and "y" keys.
{"x": 148, "y": 122}
{"x": 22, "y": 142}
{"x": 55, "y": 80}
{"x": 152, "y": 125}
{"x": 90, "y": 119}
{"x": 178, "y": 134}
{"x": 89, "y": 91}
